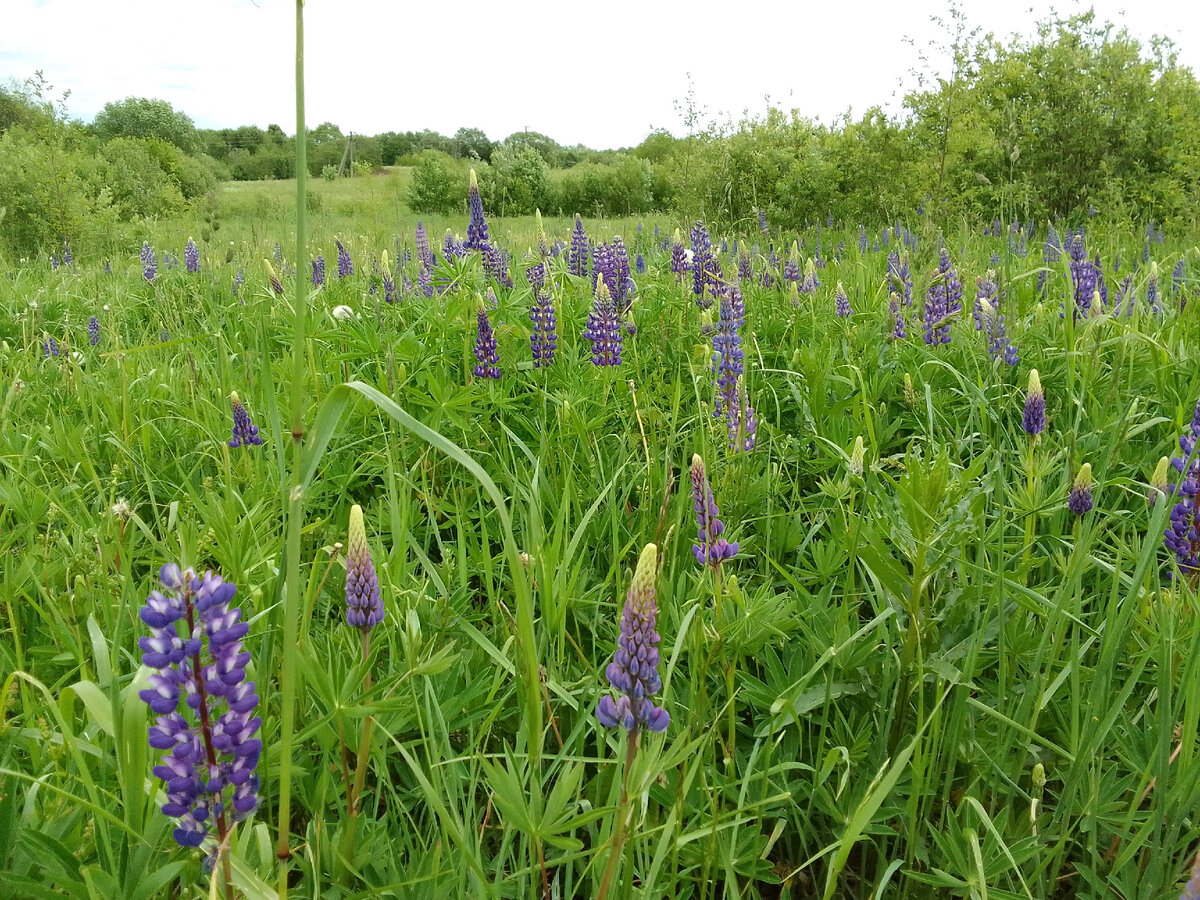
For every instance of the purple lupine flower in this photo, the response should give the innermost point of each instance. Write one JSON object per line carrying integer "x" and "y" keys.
{"x": 791, "y": 269}
{"x": 385, "y": 276}
{"x": 862, "y": 240}
{"x": 536, "y": 276}
{"x": 1152, "y": 298}
{"x": 486, "y": 355}
{"x": 1178, "y": 275}
{"x": 406, "y": 285}
{"x": 477, "y": 230}
{"x": 452, "y": 247}
{"x": 639, "y": 264}
{"x": 1080, "y": 499}
{"x": 577, "y": 256}
{"x": 633, "y": 672}
{"x": 728, "y": 356}
{"x": 93, "y": 331}
{"x": 424, "y": 254}
{"x": 900, "y": 331}
{"x": 1182, "y": 536}
{"x": 747, "y": 423}
{"x": 318, "y": 271}
{"x": 841, "y": 303}
{"x": 706, "y": 270}
{"x": 712, "y": 549}
{"x": 543, "y": 342}
{"x": 899, "y": 277}
{"x": 621, "y": 285}
{"x": 50, "y": 347}
{"x": 986, "y": 291}
{"x": 943, "y": 299}
{"x": 604, "y": 329}
{"x": 1125, "y": 294}
{"x": 495, "y": 266}
{"x": 884, "y": 239}
{"x": 107, "y": 267}
{"x": 425, "y": 281}
{"x": 209, "y": 739}
{"x": 364, "y": 604}
{"x": 191, "y": 256}
{"x": 238, "y": 279}
{"x": 1083, "y": 277}
{"x": 745, "y": 266}
{"x": 811, "y": 282}
{"x": 245, "y": 432}
{"x": 1034, "y": 419}
{"x": 53, "y": 262}
{"x": 345, "y": 264}
{"x": 149, "y": 263}
{"x": 67, "y": 259}
{"x": 996, "y": 334}
{"x": 679, "y": 260}
{"x": 762, "y": 221}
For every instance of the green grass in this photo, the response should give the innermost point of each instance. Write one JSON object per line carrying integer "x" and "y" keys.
{"x": 902, "y": 661}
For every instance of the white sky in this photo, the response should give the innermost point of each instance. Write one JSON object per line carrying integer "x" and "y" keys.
{"x": 598, "y": 72}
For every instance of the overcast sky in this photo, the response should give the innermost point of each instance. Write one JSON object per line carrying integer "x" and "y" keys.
{"x": 601, "y": 74}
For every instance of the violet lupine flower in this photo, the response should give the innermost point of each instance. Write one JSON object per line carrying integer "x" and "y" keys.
{"x": 364, "y": 604}
{"x": 385, "y": 275}
{"x": 639, "y": 264}
{"x": 811, "y": 282}
{"x": 191, "y": 256}
{"x": 943, "y": 299}
{"x": 1178, "y": 275}
{"x": 107, "y": 267}
{"x": 998, "y": 344}
{"x": 705, "y": 268}
{"x": 762, "y": 221}
{"x": 211, "y": 751}
{"x": 1080, "y": 499}
{"x": 679, "y": 260}
{"x": 424, "y": 254}
{"x": 452, "y": 247}
{"x": 900, "y": 331}
{"x": 67, "y": 259}
{"x": 604, "y": 329}
{"x": 1083, "y": 277}
{"x": 50, "y": 347}
{"x": 1034, "y": 419}
{"x": 841, "y": 306}
{"x": 536, "y": 276}
{"x": 93, "y": 331}
{"x": 577, "y": 256}
{"x": 543, "y": 342}
{"x": 1182, "y": 536}
{"x": 53, "y": 262}
{"x": 1125, "y": 294}
{"x": 1152, "y": 298}
{"x": 477, "y": 230}
{"x": 791, "y": 270}
{"x": 633, "y": 672}
{"x": 149, "y": 262}
{"x": 728, "y": 356}
{"x": 238, "y": 279}
{"x": 345, "y": 264}
{"x": 245, "y": 432}
{"x": 621, "y": 285}
{"x": 425, "y": 281}
{"x": 318, "y": 271}
{"x": 900, "y": 276}
{"x": 712, "y": 549}
{"x": 495, "y": 265}
{"x": 486, "y": 355}
{"x": 745, "y": 268}
{"x": 986, "y": 291}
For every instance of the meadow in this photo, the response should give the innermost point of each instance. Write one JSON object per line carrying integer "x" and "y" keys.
{"x": 928, "y": 668}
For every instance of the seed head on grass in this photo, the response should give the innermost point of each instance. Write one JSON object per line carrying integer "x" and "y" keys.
{"x": 633, "y": 672}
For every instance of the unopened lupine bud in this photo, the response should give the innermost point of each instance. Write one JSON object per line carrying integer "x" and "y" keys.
{"x": 364, "y": 604}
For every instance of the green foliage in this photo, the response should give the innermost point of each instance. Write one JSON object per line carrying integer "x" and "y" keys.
{"x": 139, "y": 117}
{"x": 517, "y": 181}
{"x": 437, "y": 185}
{"x": 623, "y": 187}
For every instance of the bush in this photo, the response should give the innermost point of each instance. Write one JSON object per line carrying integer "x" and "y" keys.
{"x": 437, "y": 186}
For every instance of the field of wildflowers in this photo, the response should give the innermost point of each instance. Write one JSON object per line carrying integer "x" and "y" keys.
{"x": 576, "y": 558}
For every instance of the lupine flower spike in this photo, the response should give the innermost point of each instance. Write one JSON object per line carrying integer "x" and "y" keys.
{"x": 486, "y": 355}
{"x": 1183, "y": 534}
{"x": 633, "y": 672}
{"x": 93, "y": 331}
{"x": 477, "y": 230}
{"x": 1080, "y": 500}
{"x": 345, "y": 264}
{"x": 364, "y": 605}
{"x": 149, "y": 262}
{"x": 245, "y": 432}
{"x": 203, "y": 703}
{"x": 604, "y": 329}
{"x": 712, "y": 549}
{"x": 1034, "y": 420}
{"x": 191, "y": 256}
{"x": 577, "y": 257}
{"x": 842, "y": 302}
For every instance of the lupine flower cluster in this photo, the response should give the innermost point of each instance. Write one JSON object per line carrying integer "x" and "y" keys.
{"x": 1034, "y": 419}
{"x": 1125, "y": 295}
{"x": 900, "y": 330}
{"x": 239, "y": 279}
{"x": 706, "y": 270}
{"x": 679, "y": 260}
{"x": 811, "y": 282}
{"x": 211, "y": 748}
{"x": 486, "y": 356}
{"x": 943, "y": 299}
{"x": 1080, "y": 499}
{"x": 543, "y": 342}
{"x": 536, "y": 276}
{"x": 1178, "y": 274}
{"x": 999, "y": 346}
{"x": 389, "y": 283}
{"x": 791, "y": 267}
{"x": 711, "y": 548}
{"x": 149, "y": 262}
{"x": 633, "y": 672}
{"x": 1183, "y": 534}
{"x": 841, "y": 304}
{"x": 610, "y": 262}
{"x": 93, "y": 331}
{"x": 50, "y": 347}
{"x": 424, "y": 254}
{"x": 639, "y": 264}
{"x": 577, "y": 256}
{"x": 728, "y": 356}
{"x": 986, "y": 291}
{"x": 762, "y": 221}
{"x": 477, "y": 229}
{"x": 452, "y": 247}
{"x": 745, "y": 267}
{"x": 245, "y": 432}
{"x": 364, "y": 604}
{"x": 1085, "y": 277}
{"x": 191, "y": 256}
{"x": 900, "y": 276}
{"x": 862, "y": 240}
{"x": 345, "y": 264}
{"x": 318, "y": 271}
{"x": 1152, "y": 298}
{"x": 604, "y": 329}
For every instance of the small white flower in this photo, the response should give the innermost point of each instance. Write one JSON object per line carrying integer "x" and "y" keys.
{"x": 343, "y": 313}
{"x": 77, "y": 357}
{"x": 106, "y": 308}
{"x": 688, "y": 254}
{"x": 33, "y": 304}
{"x": 121, "y": 509}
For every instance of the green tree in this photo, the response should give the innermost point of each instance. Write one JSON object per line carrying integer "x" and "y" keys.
{"x": 471, "y": 143}
{"x": 437, "y": 185}
{"x": 138, "y": 117}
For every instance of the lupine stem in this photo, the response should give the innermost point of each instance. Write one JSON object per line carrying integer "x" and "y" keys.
{"x": 618, "y": 840}
{"x": 295, "y": 504}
